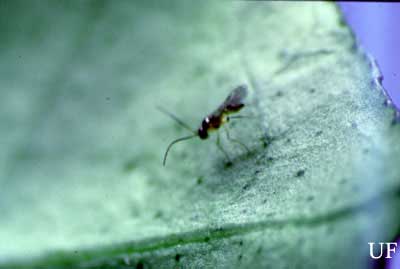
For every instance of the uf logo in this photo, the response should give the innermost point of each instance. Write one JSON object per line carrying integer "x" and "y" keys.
{"x": 390, "y": 247}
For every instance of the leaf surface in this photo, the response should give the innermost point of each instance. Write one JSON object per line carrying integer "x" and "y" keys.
{"x": 82, "y": 184}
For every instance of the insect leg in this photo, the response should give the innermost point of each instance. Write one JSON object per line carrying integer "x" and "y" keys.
{"x": 265, "y": 136}
{"x": 243, "y": 117}
{"x": 222, "y": 149}
{"x": 252, "y": 117}
{"x": 235, "y": 140}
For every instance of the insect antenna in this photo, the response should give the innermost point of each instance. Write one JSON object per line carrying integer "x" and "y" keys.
{"x": 179, "y": 121}
{"x": 173, "y": 142}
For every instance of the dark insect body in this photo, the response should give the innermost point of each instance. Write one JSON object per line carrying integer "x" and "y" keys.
{"x": 232, "y": 104}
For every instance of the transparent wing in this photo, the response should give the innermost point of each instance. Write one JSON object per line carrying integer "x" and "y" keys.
{"x": 234, "y": 101}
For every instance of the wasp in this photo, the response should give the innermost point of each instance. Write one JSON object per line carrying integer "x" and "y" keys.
{"x": 232, "y": 104}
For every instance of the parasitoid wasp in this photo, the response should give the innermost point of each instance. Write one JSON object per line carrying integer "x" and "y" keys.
{"x": 232, "y": 104}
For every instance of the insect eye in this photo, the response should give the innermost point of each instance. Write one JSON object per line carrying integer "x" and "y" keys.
{"x": 205, "y": 123}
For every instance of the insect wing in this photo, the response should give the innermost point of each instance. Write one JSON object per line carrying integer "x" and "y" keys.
{"x": 234, "y": 101}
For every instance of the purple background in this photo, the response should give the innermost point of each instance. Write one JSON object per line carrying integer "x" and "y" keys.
{"x": 395, "y": 262}
{"x": 377, "y": 28}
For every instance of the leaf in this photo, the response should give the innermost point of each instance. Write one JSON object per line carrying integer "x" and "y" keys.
{"x": 82, "y": 141}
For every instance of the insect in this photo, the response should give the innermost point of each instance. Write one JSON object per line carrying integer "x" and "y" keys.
{"x": 232, "y": 104}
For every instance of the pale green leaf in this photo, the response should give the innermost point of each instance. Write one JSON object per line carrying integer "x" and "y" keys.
{"x": 82, "y": 184}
